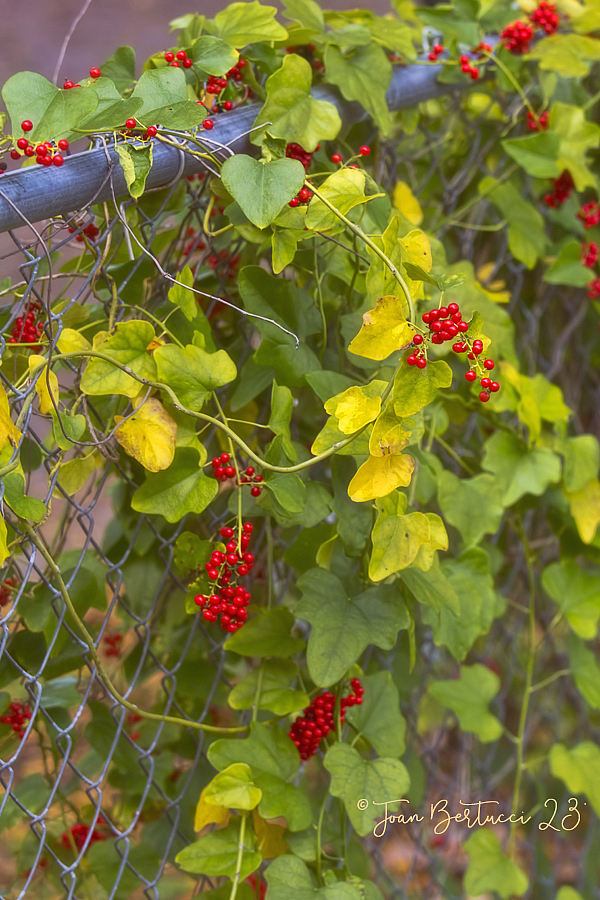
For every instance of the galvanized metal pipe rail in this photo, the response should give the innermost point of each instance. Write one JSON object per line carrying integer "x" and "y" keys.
{"x": 39, "y": 193}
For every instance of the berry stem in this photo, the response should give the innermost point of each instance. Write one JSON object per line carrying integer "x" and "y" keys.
{"x": 240, "y": 857}
{"x": 367, "y": 240}
{"x": 513, "y": 81}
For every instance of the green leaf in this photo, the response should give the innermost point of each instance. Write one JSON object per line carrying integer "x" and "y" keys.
{"x": 581, "y": 460}
{"x": 192, "y": 372}
{"x": 181, "y": 489}
{"x": 415, "y": 388}
{"x": 354, "y": 520}
{"x": 518, "y": 469}
{"x": 282, "y": 405}
{"x": 490, "y": 870}
{"x": 579, "y": 768}
{"x": 568, "y": 268}
{"x": 246, "y": 23}
{"x": 568, "y": 55}
{"x": 379, "y": 719}
{"x": 262, "y": 188}
{"x": 276, "y": 692}
{"x": 291, "y": 111}
{"x": 74, "y": 427}
{"x": 344, "y": 190}
{"x": 473, "y": 505}
{"x": 128, "y": 346}
{"x": 577, "y": 593}
{"x": 54, "y": 112}
{"x": 217, "y": 853}
{"x": 14, "y": 494}
{"x": 112, "y": 111}
{"x": 577, "y": 137}
{"x": 397, "y": 539}
{"x": 290, "y": 876}
{"x": 432, "y": 587}
{"x": 136, "y": 163}
{"x": 362, "y": 784}
{"x": 289, "y": 491}
{"x": 306, "y": 12}
{"x": 584, "y": 670}
{"x": 281, "y": 300}
{"x": 284, "y": 246}
{"x": 61, "y": 692}
{"x": 343, "y": 627}
{"x": 213, "y": 55}
{"x": 233, "y": 788}
{"x": 120, "y": 68}
{"x": 183, "y": 298}
{"x": 157, "y": 88}
{"x": 266, "y": 635}
{"x": 182, "y": 115}
{"x": 536, "y": 153}
{"x": 469, "y": 697}
{"x": 364, "y": 75}
{"x": 526, "y": 234}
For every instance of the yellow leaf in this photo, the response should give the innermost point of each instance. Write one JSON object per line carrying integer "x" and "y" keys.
{"x": 154, "y": 344}
{"x": 379, "y": 476}
{"x": 438, "y": 540}
{"x": 8, "y": 430}
{"x": 353, "y": 409}
{"x": 100, "y": 338}
{"x": 207, "y": 813}
{"x": 416, "y": 249}
{"x": 585, "y": 509}
{"x": 269, "y": 837}
{"x": 383, "y": 331}
{"x": 149, "y": 436}
{"x": 71, "y": 340}
{"x": 4, "y": 552}
{"x": 388, "y": 435}
{"x": 406, "y": 203}
{"x": 41, "y": 385}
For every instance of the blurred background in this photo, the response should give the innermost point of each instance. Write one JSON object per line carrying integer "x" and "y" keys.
{"x": 33, "y": 32}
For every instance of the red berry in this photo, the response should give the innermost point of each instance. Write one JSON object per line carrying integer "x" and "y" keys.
{"x": 418, "y": 339}
{"x": 255, "y": 491}
{"x": 46, "y": 161}
{"x": 68, "y": 85}
{"x": 452, "y": 308}
{"x": 26, "y": 125}
{"x": 219, "y": 472}
{"x": 208, "y": 124}
{"x": 484, "y": 396}
{"x": 29, "y": 151}
{"x": 294, "y": 202}
{"x": 130, "y": 123}
{"x": 227, "y": 533}
{"x": 228, "y": 105}
{"x": 63, "y": 144}
{"x": 14, "y": 154}
{"x": 181, "y": 54}
{"x": 411, "y": 360}
{"x": 22, "y": 143}
{"x": 230, "y": 471}
{"x": 151, "y": 130}
{"x": 421, "y": 362}
{"x": 187, "y": 63}
{"x": 169, "y": 56}
{"x": 225, "y": 457}
{"x": 304, "y": 194}
{"x": 364, "y": 150}
{"x": 176, "y": 64}
{"x": 463, "y": 326}
{"x": 471, "y": 376}
{"x": 494, "y": 386}
{"x": 248, "y": 527}
{"x": 485, "y": 382}
{"x": 95, "y": 73}
{"x": 488, "y": 363}
{"x": 336, "y": 158}
{"x": 58, "y": 160}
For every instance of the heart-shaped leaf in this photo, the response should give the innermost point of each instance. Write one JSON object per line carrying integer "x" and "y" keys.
{"x": 262, "y": 188}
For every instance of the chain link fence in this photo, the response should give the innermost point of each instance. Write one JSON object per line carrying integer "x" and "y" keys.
{"x": 63, "y": 771}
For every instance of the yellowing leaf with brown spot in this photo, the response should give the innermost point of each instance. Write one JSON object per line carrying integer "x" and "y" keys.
{"x": 406, "y": 203}
{"x": 154, "y": 344}
{"x": 383, "y": 331}
{"x": 353, "y": 409}
{"x": 388, "y": 435}
{"x": 269, "y": 837}
{"x": 380, "y": 475}
{"x": 149, "y": 436}
{"x": 207, "y": 813}
{"x": 585, "y": 509}
{"x": 41, "y": 385}
{"x": 416, "y": 249}
{"x": 8, "y": 430}
{"x": 71, "y": 341}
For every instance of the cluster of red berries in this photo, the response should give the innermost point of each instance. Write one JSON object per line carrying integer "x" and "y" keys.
{"x": 194, "y": 242}
{"x": 262, "y": 887}
{"x": 223, "y": 258}
{"x": 91, "y": 231}
{"x": 223, "y": 471}
{"x": 5, "y": 590}
{"x": 113, "y": 644}
{"x": 304, "y": 196}
{"x": 436, "y": 51}
{"x": 364, "y": 151}
{"x": 563, "y": 187}
{"x": 79, "y": 834}
{"x": 535, "y": 123}
{"x": 589, "y": 214}
{"x": 71, "y": 84}
{"x": 46, "y": 154}
{"x": 486, "y": 382}
{"x": 517, "y": 37}
{"x": 227, "y": 600}
{"x": 546, "y": 17}
{"x": 445, "y": 324}
{"x": 308, "y": 51}
{"x": 27, "y": 330}
{"x": 589, "y": 254}
{"x": 295, "y": 151}
{"x": 179, "y": 59}
{"x": 317, "y": 720}
{"x": 17, "y": 717}
{"x": 594, "y": 289}
{"x": 467, "y": 68}
{"x": 132, "y": 719}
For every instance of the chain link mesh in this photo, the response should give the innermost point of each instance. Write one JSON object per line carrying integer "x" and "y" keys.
{"x": 68, "y": 768}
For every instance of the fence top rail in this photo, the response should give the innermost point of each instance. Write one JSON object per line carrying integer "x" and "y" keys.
{"x": 33, "y": 194}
